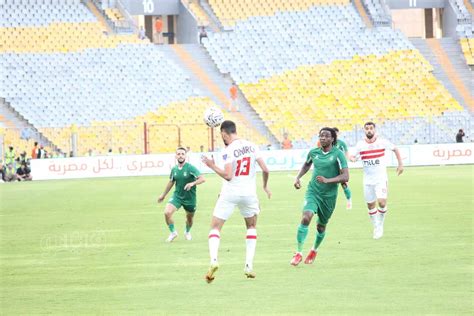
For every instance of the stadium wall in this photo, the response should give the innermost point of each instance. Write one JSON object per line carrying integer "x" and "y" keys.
{"x": 450, "y": 21}
{"x": 276, "y": 160}
{"x": 187, "y": 28}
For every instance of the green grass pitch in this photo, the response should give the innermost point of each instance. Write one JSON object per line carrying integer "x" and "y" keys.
{"x": 97, "y": 247}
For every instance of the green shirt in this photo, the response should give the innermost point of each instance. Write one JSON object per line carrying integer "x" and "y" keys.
{"x": 328, "y": 165}
{"x": 341, "y": 145}
{"x": 187, "y": 174}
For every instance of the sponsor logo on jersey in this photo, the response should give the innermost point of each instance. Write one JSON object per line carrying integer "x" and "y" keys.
{"x": 371, "y": 162}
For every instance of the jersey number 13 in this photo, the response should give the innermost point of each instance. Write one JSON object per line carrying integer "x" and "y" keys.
{"x": 243, "y": 167}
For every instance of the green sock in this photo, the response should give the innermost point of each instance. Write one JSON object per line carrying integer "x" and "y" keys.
{"x": 347, "y": 192}
{"x": 301, "y": 236}
{"x": 171, "y": 227}
{"x": 319, "y": 239}
{"x": 188, "y": 228}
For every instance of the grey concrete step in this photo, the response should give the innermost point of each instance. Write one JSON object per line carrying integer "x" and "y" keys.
{"x": 454, "y": 53}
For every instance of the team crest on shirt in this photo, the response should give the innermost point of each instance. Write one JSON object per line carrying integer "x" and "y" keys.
{"x": 224, "y": 157}
{"x": 331, "y": 158}
{"x": 185, "y": 173}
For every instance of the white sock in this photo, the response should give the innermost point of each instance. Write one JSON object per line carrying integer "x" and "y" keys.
{"x": 251, "y": 242}
{"x": 381, "y": 214}
{"x": 373, "y": 216}
{"x": 214, "y": 241}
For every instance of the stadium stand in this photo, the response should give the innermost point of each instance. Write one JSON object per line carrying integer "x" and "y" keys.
{"x": 467, "y": 46}
{"x": 65, "y": 74}
{"x": 83, "y": 80}
{"x": 229, "y": 12}
{"x": 348, "y": 71}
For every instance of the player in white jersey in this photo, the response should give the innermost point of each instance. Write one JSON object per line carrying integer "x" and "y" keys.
{"x": 238, "y": 189}
{"x": 373, "y": 151}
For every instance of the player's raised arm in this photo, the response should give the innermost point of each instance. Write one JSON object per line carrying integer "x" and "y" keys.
{"x": 265, "y": 176}
{"x": 225, "y": 173}
{"x": 167, "y": 189}
{"x": 399, "y": 159}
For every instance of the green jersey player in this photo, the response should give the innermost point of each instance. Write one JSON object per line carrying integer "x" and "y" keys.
{"x": 329, "y": 169}
{"x": 341, "y": 145}
{"x": 186, "y": 177}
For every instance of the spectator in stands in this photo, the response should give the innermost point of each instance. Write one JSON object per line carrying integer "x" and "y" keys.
{"x": 23, "y": 173}
{"x": 141, "y": 33}
{"x": 286, "y": 143}
{"x": 10, "y": 174}
{"x": 159, "y": 30}
{"x": 2, "y": 172}
{"x": 233, "y": 97}
{"x": 41, "y": 153}
{"x": 459, "y": 136}
{"x": 120, "y": 151}
{"x": 10, "y": 155}
{"x": 110, "y": 152}
{"x": 202, "y": 34}
{"x": 34, "y": 151}
{"x": 25, "y": 134}
{"x": 22, "y": 158}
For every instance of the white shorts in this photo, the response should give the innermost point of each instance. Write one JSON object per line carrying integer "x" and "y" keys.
{"x": 248, "y": 206}
{"x": 372, "y": 192}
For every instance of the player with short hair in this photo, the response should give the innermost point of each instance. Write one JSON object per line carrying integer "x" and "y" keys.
{"x": 329, "y": 169}
{"x": 239, "y": 189}
{"x": 186, "y": 177}
{"x": 371, "y": 151}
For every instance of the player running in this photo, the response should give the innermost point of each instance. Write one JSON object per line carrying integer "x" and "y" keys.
{"x": 186, "y": 177}
{"x": 239, "y": 189}
{"x": 342, "y": 146}
{"x": 372, "y": 151}
{"x": 329, "y": 169}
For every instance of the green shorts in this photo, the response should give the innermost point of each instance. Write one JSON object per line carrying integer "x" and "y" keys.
{"x": 177, "y": 202}
{"x": 320, "y": 205}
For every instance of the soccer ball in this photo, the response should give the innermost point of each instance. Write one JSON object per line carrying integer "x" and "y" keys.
{"x": 213, "y": 117}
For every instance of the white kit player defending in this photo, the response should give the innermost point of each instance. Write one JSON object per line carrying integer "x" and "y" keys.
{"x": 372, "y": 151}
{"x": 239, "y": 188}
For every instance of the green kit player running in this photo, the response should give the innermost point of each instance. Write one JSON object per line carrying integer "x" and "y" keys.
{"x": 341, "y": 145}
{"x": 330, "y": 168}
{"x": 186, "y": 177}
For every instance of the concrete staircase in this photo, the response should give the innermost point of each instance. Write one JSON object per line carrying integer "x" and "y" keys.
{"x": 452, "y": 49}
{"x": 11, "y": 119}
{"x": 210, "y": 13}
{"x": 216, "y": 86}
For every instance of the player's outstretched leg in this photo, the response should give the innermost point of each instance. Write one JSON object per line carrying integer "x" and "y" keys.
{"x": 251, "y": 244}
{"x": 189, "y": 224}
{"x": 348, "y": 194}
{"x": 381, "y": 217}
{"x": 300, "y": 238}
{"x": 375, "y": 222}
{"x": 320, "y": 234}
{"x": 169, "y": 210}
{"x": 214, "y": 241}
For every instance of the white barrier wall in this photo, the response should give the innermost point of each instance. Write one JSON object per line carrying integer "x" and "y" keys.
{"x": 276, "y": 160}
